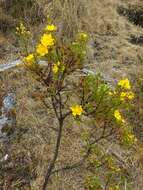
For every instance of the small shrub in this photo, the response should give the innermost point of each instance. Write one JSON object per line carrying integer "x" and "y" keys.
{"x": 72, "y": 95}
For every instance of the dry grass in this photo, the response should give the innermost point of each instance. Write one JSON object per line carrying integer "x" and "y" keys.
{"x": 110, "y": 52}
{"x": 31, "y": 147}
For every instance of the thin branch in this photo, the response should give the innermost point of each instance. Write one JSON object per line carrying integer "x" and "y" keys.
{"x": 58, "y": 140}
{"x": 81, "y": 162}
{"x": 52, "y": 164}
{"x": 55, "y": 109}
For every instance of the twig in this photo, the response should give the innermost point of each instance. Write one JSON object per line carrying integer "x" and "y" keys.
{"x": 81, "y": 162}
{"x": 58, "y": 141}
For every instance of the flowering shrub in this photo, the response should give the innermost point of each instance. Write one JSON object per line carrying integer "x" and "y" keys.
{"x": 74, "y": 95}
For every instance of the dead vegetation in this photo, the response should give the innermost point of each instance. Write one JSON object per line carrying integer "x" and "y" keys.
{"x": 14, "y": 11}
{"x": 115, "y": 50}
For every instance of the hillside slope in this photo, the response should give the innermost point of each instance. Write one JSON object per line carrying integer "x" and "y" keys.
{"x": 115, "y": 50}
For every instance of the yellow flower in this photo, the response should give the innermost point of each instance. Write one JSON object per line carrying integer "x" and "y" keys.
{"x": 125, "y": 83}
{"x": 112, "y": 93}
{"x": 83, "y": 36}
{"x": 118, "y": 116}
{"x": 77, "y": 110}
{"x": 55, "y": 68}
{"x": 51, "y": 28}
{"x": 131, "y": 138}
{"x": 127, "y": 95}
{"x": 29, "y": 59}
{"x": 21, "y": 30}
{"x": 58, "y": 63}
{"x": 123, "y": 96}
{"x": 41, "y": 50}
{"x": 130, "y": 95}
{"x": 47, "y": 40}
